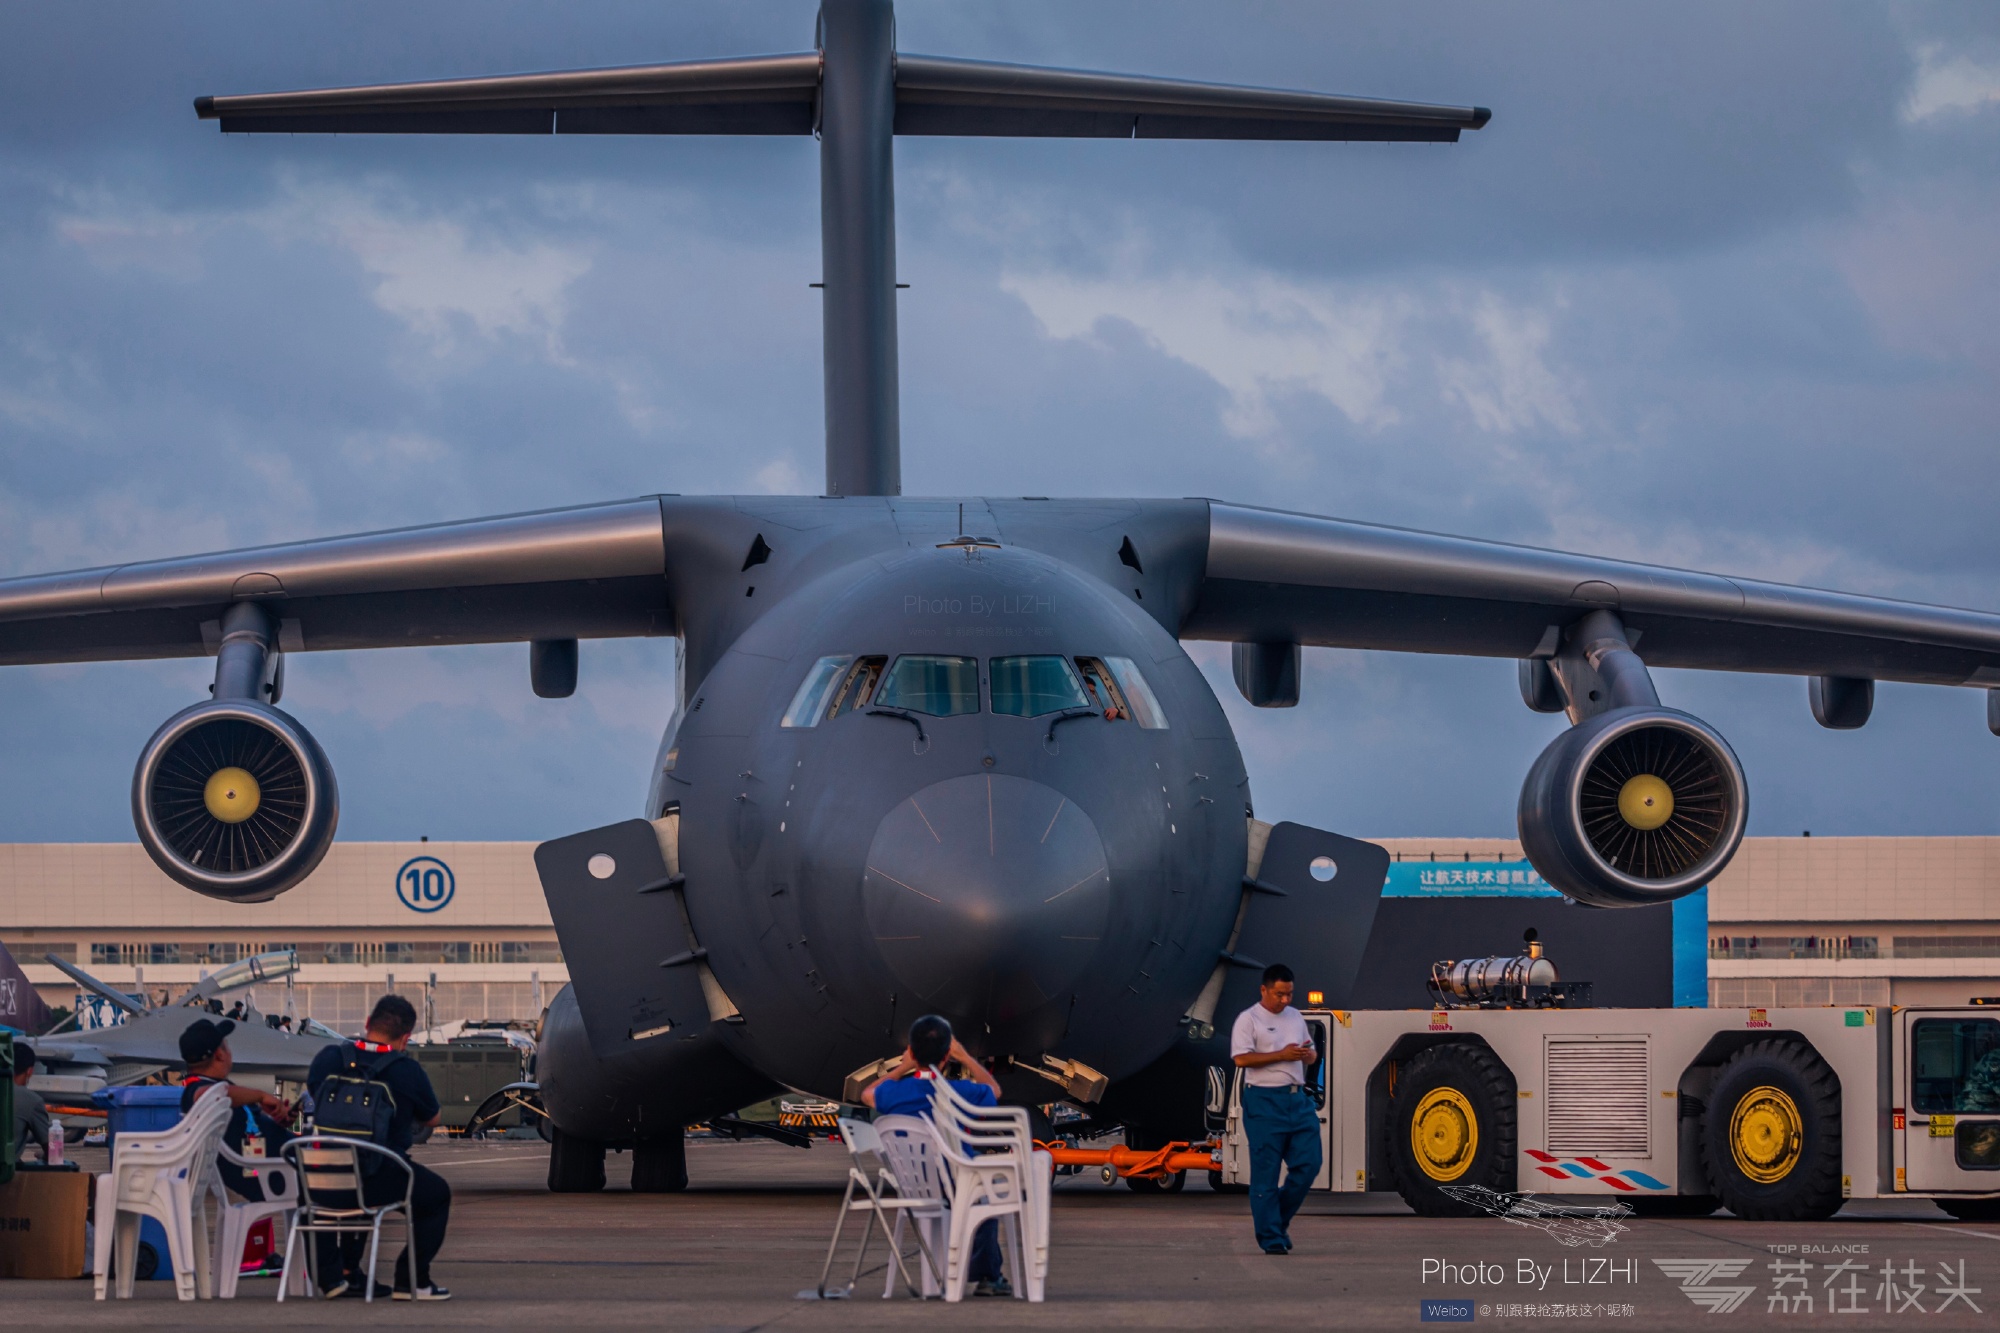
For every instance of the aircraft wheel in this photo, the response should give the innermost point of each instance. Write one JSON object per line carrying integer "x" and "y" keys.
{"x": 660, "y": 1166}
{"x": 1451, "y": 1126}
{"x": 1771, "y": 1134}
{"x": 1972, "y": 1210}
{"x": 576, "y": 1166}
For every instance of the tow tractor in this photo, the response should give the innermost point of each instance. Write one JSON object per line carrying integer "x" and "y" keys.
{"x": 1511, "y": 1083}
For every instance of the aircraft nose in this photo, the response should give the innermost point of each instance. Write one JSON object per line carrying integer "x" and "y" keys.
{"x": 987, "y": 896}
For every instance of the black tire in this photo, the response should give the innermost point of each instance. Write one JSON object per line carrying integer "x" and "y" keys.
{"x": 1675, "y": 1205}
{"x": 1221, "y": 1186}
{"x": 1458, "y": 1100}
{"x": 1972, "y": 1210}
{"x": 1770, "y": 1137}
{"x": 660, "y": 1166}
{"x": 1172, "y": 1184}
{"x": 576, "y": 1166}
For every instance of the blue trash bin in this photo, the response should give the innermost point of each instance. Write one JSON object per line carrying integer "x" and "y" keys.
{"x": 142, "y": 1111}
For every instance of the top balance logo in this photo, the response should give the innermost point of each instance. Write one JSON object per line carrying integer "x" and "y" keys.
{"x": 1695, "y": 1275}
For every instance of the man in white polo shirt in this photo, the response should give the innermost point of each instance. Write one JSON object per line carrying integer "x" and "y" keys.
{"x": 1272, "y": 1046}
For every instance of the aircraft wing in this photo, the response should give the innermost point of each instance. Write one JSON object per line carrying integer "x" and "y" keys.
{"x": 780, "y": 95}
{"x": 591, "y": 572}
{"x": 1275, "y": 577}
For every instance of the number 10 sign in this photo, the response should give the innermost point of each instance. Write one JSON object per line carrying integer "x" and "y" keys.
{"x": 425, "y": 884}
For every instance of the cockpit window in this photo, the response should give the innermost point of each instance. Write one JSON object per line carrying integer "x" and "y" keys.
{"x": 809, "y": 704}
{"x": 1116, "y": 686}
{"x": 1099, "y": 690}
{"x": 937, "y": 686}
{"x": 857, "y": 687}
{"x": 1032, "y": 686}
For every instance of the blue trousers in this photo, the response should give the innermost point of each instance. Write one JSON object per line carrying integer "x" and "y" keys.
{"x": 1283, "y": 1128}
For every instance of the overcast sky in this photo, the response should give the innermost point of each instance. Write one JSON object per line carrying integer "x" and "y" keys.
{"x": 1717, "y": 287}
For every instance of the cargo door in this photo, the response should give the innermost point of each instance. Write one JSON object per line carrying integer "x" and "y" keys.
{"x": 1950, "y": 1121}
{"x": 624, "y": 935}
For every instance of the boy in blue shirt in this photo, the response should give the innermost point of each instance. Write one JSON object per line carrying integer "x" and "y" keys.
{"x": 907, "y": 1089}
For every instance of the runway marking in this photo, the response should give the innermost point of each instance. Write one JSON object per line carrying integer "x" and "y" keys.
{"x": 1079, "y": 884}
{"x": 1054, "y": 817}
{"x": 1938, "y": 1226}
{"x": 926, "y": 818}
{"x": 475, "y": 1161}
{"x": 899, "y": 884}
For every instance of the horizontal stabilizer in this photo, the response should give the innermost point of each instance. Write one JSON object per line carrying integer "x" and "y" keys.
{"x": 780, "y": 95}
{"x": 757, "y": 95}
{"x": 973, "y": 97}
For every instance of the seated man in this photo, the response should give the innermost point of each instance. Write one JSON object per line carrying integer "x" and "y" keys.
{"x": 382, "y": 1057}
{"x": 907, "y": 1090}
{"x": 253, "y": 1114}
{"x": 31, "y": 1114}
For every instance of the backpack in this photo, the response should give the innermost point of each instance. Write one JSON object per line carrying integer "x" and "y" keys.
{"x": 355, "y": 1104}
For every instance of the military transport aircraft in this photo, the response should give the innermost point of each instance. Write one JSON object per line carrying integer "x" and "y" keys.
{"x": 946, "y": 754}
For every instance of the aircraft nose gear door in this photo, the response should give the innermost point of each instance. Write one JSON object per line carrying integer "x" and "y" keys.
{"x": 624, "y": 936}
{"x": 1310, "y": 906}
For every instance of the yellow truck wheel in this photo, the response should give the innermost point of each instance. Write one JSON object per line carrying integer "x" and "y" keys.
{"x": 1450, "y": 1129}
{"x": 1771, "y": 1133}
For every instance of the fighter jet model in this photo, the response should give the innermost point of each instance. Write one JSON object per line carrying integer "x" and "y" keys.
{"x": 944, "y": 754}
{"x": 147, "y": 1040}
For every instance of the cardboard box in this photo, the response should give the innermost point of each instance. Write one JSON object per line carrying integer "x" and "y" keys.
{"x": 41, "y": 1223}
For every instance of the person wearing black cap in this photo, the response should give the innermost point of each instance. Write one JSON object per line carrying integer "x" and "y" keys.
{"x": 253, "y": 1114}
{"x": 31, "y": 1113}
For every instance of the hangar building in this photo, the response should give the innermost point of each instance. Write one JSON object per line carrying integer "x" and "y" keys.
{"x": 463, "y": 928}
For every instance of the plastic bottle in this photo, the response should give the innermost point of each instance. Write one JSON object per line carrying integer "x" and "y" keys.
{"x": 54, "y": 1155}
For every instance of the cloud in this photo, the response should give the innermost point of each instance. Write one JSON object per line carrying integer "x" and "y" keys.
{"x": 435, "y": 273}
{"x": 1950, "y": 83}
{"x": 1510, "y": 387}
{"x": 1361, "y": 348}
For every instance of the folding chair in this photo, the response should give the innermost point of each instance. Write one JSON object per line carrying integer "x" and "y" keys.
{"x": 909, "y": 1146}
{"x": 881, "y": 1194}
{"x": 331, "y": 1202}
{"x": 163, "y": 1175}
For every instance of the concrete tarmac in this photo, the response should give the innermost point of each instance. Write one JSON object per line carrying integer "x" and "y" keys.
{"x": 737, "y": 1248}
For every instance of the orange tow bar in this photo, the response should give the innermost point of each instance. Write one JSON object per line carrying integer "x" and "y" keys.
{"x": 1153, "y": 1164}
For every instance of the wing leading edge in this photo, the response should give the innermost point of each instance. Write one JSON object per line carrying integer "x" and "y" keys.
{"x": 1275, "y": 577}
{"x": 591, "y": 572}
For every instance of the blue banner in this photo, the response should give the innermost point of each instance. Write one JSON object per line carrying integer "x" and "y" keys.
{"x": 1465, "y": 879}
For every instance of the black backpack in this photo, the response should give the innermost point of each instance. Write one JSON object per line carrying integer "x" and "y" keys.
{"x": 355, "y": 1104}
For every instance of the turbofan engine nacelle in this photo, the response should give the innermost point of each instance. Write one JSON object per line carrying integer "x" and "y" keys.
{"x": 1635, "y": 806}
{"x": 235, "y": 800}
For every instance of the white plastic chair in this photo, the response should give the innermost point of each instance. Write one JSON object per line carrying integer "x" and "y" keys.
{"x": 333, "y": 1167}
{"x": 910, "y": 1147}
{"x": 1002, "y": 1132}
{"x": 165, "y": 1176}
{"x": 989, "y": 1181}
{"x": 872, "y": 1170}
{"x": 279, "y": 1180}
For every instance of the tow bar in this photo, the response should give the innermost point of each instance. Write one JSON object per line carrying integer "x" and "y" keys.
{"x": 1143, "y": 1163}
